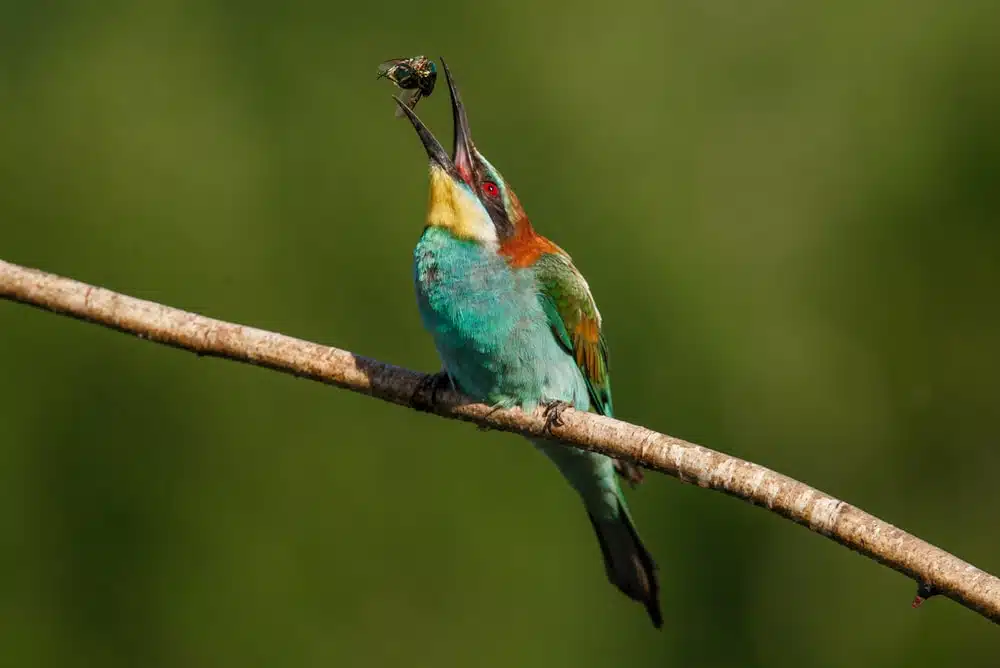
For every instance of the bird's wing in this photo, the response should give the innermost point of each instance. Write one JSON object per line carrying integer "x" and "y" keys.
{"x": 576, "y": 324}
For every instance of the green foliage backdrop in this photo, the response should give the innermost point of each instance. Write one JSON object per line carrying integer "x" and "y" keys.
{"x": 787, "y": 212}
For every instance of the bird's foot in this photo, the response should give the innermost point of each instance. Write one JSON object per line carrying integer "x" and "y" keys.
{"x": 553, "y": 414}
{"x": 430, "y": 386}
{"x": 493, "y": 409}
{"x": 629, "y": 471}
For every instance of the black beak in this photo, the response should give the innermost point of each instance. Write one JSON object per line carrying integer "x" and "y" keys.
{"x": 462, "y": 159}
{"x": 435, "y": 151}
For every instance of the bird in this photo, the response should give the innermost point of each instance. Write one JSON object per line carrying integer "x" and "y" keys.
{"x": 515, "y": 324}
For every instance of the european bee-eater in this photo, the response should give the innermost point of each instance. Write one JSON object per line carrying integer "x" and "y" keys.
{"x": 515, "y": 324}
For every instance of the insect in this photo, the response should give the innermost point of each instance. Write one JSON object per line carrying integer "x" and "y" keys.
{"x": 416, "y": 75}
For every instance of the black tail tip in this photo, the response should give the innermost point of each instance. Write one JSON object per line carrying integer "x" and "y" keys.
{"x": 653, "y": 608}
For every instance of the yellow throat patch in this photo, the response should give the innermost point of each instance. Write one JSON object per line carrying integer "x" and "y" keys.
{"x": 451, "y": 206}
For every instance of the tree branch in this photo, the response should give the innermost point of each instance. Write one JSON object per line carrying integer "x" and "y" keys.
{"x": 935, "y": 570}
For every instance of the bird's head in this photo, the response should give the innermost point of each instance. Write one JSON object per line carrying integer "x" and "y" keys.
{"x": 468, "y": 196}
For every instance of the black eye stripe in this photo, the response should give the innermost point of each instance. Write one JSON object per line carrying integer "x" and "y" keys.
{"x": 499, "y": 217}
{"x": 494, "y": 204}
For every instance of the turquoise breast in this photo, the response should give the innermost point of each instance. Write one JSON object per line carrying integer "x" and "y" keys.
{"x": 489, "y": 327}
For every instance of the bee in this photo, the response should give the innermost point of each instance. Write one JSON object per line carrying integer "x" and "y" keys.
{"x": 416, "y": 75}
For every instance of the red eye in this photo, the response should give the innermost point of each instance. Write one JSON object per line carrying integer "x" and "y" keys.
{"x": 491, "y": 189}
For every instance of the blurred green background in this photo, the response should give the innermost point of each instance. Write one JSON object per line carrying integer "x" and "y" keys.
{"x": 787, "y": 212}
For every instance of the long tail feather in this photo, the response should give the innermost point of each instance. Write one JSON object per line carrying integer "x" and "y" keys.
{"x": 627, "y": 562}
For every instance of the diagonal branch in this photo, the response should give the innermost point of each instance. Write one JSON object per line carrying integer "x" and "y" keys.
{"x": 935, "y": 570}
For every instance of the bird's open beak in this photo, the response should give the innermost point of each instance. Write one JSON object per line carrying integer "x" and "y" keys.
{"x": 462, "y": 158}
{"x": 438, "y": 156}
{"x": 459, "y": 165}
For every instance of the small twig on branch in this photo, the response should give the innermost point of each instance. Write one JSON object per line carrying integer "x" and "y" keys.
{"x": 935, "y": 571}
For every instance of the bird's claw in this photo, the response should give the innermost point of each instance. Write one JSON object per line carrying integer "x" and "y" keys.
{"x": 553, "y": 414}
{"x": 629, "y": 471}
{"x": 493, "y": 409}
{"x": 430, "y": 386}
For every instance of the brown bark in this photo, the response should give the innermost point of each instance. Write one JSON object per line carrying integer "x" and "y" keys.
{"x": 935, "y": 570}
